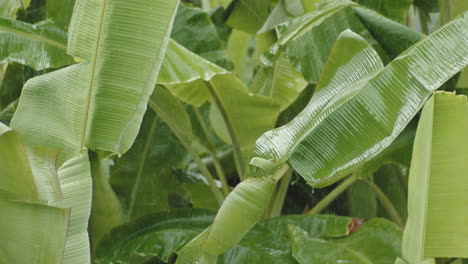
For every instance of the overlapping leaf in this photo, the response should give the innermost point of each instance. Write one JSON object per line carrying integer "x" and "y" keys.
{"x": 377, "y": 241}
{"x": 39, "y": 46}
{"x": 361, "y": 107}
{"x": 437, "y": 218}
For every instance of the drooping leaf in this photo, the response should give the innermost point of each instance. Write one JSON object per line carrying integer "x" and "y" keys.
{"x": 281, "y": 82}
{"x": 436, "y": 225}
{"x": 194, "y": 81}
{"x": 21, "y": 43}
{"x": 394, "y": 9}
{"x": 392, "y": 36}
{"x": 354, "y": 95}
{"x": 101, "y": 113}
{"x": 399, "y": 152}
{"x": 377, "y": 241}
{"x": 307, "y": 40}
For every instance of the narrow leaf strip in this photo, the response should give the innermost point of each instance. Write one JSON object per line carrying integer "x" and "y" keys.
{"x": 76, "y": 184}
{"x": 438, "y": 191}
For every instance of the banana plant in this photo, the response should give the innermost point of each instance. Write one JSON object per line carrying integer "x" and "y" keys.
{"x": 81, "y": 107}
{"x": 316, "y": 145}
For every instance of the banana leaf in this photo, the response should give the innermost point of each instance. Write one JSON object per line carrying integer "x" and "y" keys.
{"x": 437, "y": 206}
{"x": 101, "y": 113}
{"x": 106, "y": 210}
{"x": 17, "y": 180}
{"x": 195, "y": 30}
{"x": 32, "y": 233}
{"x": 395, "y": 9}
{"x": 353, "y": 94}
{"x": 143, "y": 178}
{"x": 173, "y": 229}
{"x": 377, "y": 241}
{"x": 83, "y": 106}
{"x": 60, "y": 11}
{"x": 249, "y": 16}
{"x": 21, "y": 42}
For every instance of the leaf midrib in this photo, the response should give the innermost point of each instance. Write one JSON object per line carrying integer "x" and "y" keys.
{"x": 93, "y": 73}
{"x": 35, "y": 37}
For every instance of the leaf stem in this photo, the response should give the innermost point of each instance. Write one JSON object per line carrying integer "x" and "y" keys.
{"x": 188, "y": 145}
{"x": 327, "y": 200}
{"x": 239, "y": 160}
{"x": 386, "y": 203}
{"x": 212, "y": 150}
{"x": 280, "y": 196}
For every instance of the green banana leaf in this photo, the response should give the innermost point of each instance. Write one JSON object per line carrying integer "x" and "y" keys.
{"x": 173, "y": 229}
{"x": 60, "y": 11}
{"x": 323, "y": 153}
{"x": 377, "y": 241}
{"x": 32, "y": 233}
{"x": 106, "y": 211}
{"x": 307, "y": 40}
{"x": 362, "y": 202}
{"x": 320, "y": 226}
{"x": 21, "y": 42}
{"x": 394, "y": 9}
{"x": 102, "y": 114}
{"x": 143, "y": 178}
{"x": 194, "y": 81}
{"x": 82, "y": 106}
{"x": 76, "y": 185}
{"x": 437, "y": 206}
{"x": 392, "y": 36}
{"x": 9, "y": 8}
{"x": 393, "y": 181}
{"x": 11, "y": 83}
{"x": 194, "y": 29}
{"x": 249, "y": 16}
{"x": 17, "y": 180}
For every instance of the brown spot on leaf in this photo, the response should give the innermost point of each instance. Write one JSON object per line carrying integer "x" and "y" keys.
{"x": 354, "y": 225}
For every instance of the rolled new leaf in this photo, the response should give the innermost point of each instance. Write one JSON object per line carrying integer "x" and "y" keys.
{"x": 361, "y": 107}
{"x": 437, "y": 208}
{"x": 241, "y": 210}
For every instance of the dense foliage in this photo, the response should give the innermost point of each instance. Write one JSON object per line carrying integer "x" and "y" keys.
{"x": 218, "y": 131}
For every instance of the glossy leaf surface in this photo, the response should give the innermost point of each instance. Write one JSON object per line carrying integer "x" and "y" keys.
{"x": 387, "y": 98}
{"x": 377, "y": 241}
